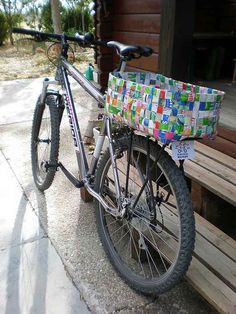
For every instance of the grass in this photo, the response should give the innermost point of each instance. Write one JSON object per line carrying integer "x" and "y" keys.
{"x": 28, "y": 59}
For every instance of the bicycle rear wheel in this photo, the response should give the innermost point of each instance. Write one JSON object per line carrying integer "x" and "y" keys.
{"x": 151, "y": 247}
{"x": 45, "y": 142}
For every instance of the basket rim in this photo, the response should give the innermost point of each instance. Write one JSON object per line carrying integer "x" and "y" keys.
{"x": 175, "y": 82}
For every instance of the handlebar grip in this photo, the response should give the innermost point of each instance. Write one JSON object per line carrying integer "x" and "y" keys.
{"x": 146, "y": 51}
{"x": 24, "y": 31}
{"x": 88, "y": 38}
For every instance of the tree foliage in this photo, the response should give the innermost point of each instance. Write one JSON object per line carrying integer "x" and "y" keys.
{"x": 85, "y": 15}
{"x": 32, "y": 16}
{"x": 73, "y": 21}
{"x": 76, "y": 16}
{"x": 13, "y": 13}
{"x": 46, "y": 17}
{"x": 72, "y": 18}
{"x": 3, "y": 28}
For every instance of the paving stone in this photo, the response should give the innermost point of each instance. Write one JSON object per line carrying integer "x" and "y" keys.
{"x": 33, "y": 280}
{"x": 18, "y": 222}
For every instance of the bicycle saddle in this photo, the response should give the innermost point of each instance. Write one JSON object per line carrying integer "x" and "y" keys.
{"x": 127, "y": 50}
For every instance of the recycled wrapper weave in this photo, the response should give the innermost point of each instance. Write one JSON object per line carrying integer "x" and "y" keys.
{"x": 167, "y": 109}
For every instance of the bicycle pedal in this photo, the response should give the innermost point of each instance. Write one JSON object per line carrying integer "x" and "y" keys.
{"x": 48, "y": 166}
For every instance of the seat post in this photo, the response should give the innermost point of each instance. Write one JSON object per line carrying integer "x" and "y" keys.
{"x": 122, "y": 66}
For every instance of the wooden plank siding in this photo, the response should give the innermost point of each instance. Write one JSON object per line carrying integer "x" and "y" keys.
{"x": 137, "y": 23}
{"x": 146, "y": 64}
{"x": 142, "y": 39}
{"x": 165, "y": 26}
{"x": 138, "y": 6}
{"x": 132, "y": 22}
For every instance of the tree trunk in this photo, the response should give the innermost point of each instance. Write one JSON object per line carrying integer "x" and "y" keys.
{"x": 83, "y": 24}
{"x": 56, "y": 17}
{"x": 11, "y": 37}
{"x": 10, "y": 24}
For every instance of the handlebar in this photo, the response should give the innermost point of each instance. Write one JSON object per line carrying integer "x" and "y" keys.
{"x": 80, "y": 39}
{"x": 88, "y": 40}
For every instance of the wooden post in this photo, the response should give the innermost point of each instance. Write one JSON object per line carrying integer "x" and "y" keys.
{"x": 168, "y": 8}
{"x": 177, "y": 22}
{"x": 86, "y": 197}
{"x": 234, "y": 75}
{"x": 104, "y": 32}
{"x": 205, "y": 202}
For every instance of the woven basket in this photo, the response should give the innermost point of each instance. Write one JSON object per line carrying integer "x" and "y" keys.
{"x": 161, "y": 107}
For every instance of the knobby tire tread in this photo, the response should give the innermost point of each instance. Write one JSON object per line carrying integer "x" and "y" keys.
{"x": 186, "y": 216}
{"x": 55, "y": 140}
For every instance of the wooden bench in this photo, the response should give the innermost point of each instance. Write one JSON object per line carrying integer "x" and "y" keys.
{"x": 213, "y": 268}
{"x": 214, "y": 171}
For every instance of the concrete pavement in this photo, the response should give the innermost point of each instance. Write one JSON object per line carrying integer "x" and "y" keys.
{"x": 50, "y": 253}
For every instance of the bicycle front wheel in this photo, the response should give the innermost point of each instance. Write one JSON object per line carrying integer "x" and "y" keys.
{"x": 45, "y": 143}
{"x": 151, "y": 246}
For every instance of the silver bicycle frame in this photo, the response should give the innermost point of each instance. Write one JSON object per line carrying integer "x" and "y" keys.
{"x": 86, "y": 171}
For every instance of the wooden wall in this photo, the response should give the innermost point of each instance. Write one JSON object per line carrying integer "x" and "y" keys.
{"x": 130, "y": 22}
{"x": 139, "y": 22}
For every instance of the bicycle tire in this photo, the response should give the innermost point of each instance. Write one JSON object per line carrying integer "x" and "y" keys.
{"x": 161, "y": 282}
{"x": 45, "y": 141}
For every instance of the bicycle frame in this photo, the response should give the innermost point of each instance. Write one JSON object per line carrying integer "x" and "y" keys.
{"x": 86, "y": 171}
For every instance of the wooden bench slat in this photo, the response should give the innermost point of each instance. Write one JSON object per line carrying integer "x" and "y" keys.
{"x": 205, "y": 269}
{"x": 211, "y": 287}
{"x": 212, "y": 272}
{"x": 212, "y": 165}
{"x": 211, "y": 181}
{"x": 215, "y": 236}
{"x": 222, "y": 266}
{"x": 216, "y": 155}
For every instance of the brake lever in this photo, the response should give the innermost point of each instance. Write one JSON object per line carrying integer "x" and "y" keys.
{"x": 38, "y": 38}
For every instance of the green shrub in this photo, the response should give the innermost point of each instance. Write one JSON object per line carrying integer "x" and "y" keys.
{"x": 72, "y": 21}
{"x": 46, "y": 17}
{"x": 3, "y": 28}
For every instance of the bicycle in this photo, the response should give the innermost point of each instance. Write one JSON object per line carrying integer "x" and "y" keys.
{"x": 143, "y": 209}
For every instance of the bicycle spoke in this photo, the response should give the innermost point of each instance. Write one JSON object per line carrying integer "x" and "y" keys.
{"x": 155, "y": 246}
{"x": 147, "y": 240}
{"x": 158, "y": 234}
{"x": 160, "y": 253}
{"x": 154, "y": 264}
{"x": 131, "y": 236}
{"x": 115, "y": 243}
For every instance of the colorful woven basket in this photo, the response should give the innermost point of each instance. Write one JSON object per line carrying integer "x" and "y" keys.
{"x": 161, "y": 107}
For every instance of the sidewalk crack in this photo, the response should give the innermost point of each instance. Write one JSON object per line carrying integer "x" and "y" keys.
{"x": 30, "y": 240}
